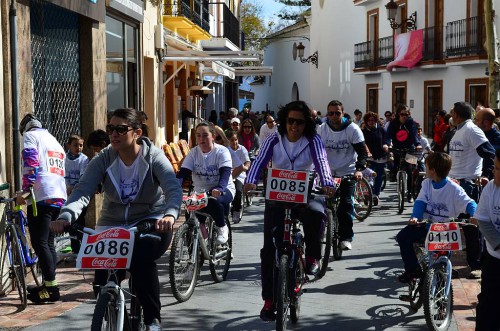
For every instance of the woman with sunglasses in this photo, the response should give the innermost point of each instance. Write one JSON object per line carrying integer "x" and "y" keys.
{"x": 139, "y": 184}
{"x": 209, "y": 165}
{"x": 295, "y": 146}
{"x": 248, "y": 138}
{"x": 402, "y": 132}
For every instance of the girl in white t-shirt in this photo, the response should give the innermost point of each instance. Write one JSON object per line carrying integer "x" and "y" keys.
{"x": 209, "y": 165}
{"x": 239, "y": 178}
{"x": 438, "y": 200}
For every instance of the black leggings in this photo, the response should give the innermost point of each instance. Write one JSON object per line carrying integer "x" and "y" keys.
{"x": 42, "y": 239}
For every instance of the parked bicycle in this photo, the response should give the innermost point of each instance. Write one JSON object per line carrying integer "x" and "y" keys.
{"x": 22, "y": 258}
{"x": 111, "y": 250}
{"x": 435, "y": 291}
{"x": 194, "y": 242}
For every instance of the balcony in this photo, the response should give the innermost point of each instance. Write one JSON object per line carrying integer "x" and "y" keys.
{"x": 365, "y": 56}
{"x": 225, "y": 29}
{"x": 188, "y": 18}
{"x": 385, "y": 50}
{"x": 465, "y": 37}
{"x": 433, "y": 44}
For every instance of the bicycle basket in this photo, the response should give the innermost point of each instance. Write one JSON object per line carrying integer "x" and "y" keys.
{"x": 411, "y": 159}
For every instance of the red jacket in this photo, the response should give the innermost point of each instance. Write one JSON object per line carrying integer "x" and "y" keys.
{"x": 439, "y": 128}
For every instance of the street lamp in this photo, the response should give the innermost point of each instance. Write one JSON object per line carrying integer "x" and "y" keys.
{"x": 392, "y": 10}
{"x": 299, "y": 49}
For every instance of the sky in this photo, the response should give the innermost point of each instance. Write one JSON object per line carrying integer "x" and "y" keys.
{"x": 270, "y": 7}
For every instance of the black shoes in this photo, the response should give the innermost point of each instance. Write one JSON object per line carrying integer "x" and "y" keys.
{"x": 408, "y": 276}
{"x": 267, "y": 313}
{"x": 45, "y": 294}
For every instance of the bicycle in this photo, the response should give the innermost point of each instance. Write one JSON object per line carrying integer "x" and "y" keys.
{"x": 193, "y": 242}
{"x": 435, "y": 291}
{"x": 111, "y": 250}
{"x": 21, "y": 256}
{"x": 332, "y": 206}
{"x": 363, "y": 195}
{"x": 405, "y": 159}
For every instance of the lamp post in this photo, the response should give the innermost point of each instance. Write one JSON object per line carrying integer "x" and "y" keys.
{"x": 392, "y": 10}
{"x": 299, "y": 49}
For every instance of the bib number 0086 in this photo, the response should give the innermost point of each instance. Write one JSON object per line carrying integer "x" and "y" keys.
{"x": 113, "y": 248}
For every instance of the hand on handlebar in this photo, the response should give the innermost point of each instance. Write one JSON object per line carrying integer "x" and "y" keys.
{"x": 215, "y": 193}
{"x": 165, "y": 224}
{"x": 413, "y": 221}
{"x": 358, "y": 175}
{"x": 20, "y": 199}
{"x": 59, "y": 225}
{"x": 328, "y": 190}
{"x": 249, "y": 187}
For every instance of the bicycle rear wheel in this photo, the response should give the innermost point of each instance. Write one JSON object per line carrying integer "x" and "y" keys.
{"x": 105, "y": 313}
{"x": 296, "y": 291}
{"x": 336, "y": 243}
{"x": 282, "y": 298}
{"x": 364, "y": 196}
{"x": 401, "y": 192}
{"x": 182, "y": 269}
{"x": 17, "y": 267}
{"x": 438, "y": 307}
{"x": 326, "y": 243}
{"x": 220, "y": 254}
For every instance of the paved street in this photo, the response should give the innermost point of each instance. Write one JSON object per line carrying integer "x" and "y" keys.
{"x": 359, "y": 292}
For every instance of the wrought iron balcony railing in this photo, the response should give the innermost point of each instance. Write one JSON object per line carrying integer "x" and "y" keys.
{"x": 433, "y": 44}
{"x": 194, "y": 10}
{"x": 465, "y": 37}
{"x": 363, "y": 55}
{"x": 385, "y": 50}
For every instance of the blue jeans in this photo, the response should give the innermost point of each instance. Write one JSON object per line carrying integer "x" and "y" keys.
{"x": 218, "y": 208}
{"x": 379, "y": 169}
{"x": 409, "y": 235}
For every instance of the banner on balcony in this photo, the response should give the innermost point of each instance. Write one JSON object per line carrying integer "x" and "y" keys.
{"x": 408, "y": 48}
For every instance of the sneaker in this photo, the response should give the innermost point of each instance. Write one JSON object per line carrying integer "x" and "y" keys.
{"x": 34, "y": 288}
{"x": 346, "y": 245}
{"x": 475, "y": 274}
{"x": 311, "y": 266}
{"x": 375, "y": 200}
{"x": 236, "y": 217}
{"x": 46, "y": 294}
{"x": 408, "y": 276}
{"x": 410, "y": 198}
{"x": 267, "y": 312}
{"x": 222, "y": 234}
{"x": 454, "y": 274}
{"x": 154, "y": 326}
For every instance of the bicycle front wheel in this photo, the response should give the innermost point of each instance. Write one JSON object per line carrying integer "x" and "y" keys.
{"x": 336, "y": 243}
{"x": 363, "y": 196}
{"x": 183, "y": 263}
{"x": 105, "y": 313}
{"x": 282, "y": 298}
{"x": 296, "y": 291}
{"x": 401, "y": 192}
{"x": 220, "y": 254}
{"x": 17, "y": 267}
{"x": 438, "y": 307}
{"x": 326, "y": 243}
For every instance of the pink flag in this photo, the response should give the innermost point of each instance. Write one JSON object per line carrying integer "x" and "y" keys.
{"x": 408, "y": 49}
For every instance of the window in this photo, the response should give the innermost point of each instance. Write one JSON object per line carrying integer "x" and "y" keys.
{"x": 433, "y": 102}
{"x": 398, "y": 94}
{"x": 372, "y": 35}
{"x": 372, "y": 98}
{"x": 477, "y": 92}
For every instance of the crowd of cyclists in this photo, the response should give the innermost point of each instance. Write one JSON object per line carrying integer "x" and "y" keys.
{"x": 139, "y": 183}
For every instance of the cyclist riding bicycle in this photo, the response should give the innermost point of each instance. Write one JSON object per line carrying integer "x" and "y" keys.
{"x": 295, "y": 146}
{"x": 346, "y": 150}
{"x": 43, "y": 168}
{"x": 139, "y": 184}
{"x": 210, "y": 165}
{"x": 439, "y": 199}
{"x": 402, "y": 131}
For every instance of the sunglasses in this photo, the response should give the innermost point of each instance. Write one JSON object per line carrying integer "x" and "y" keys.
{"x": 120, "y": 129}
{"x": 336, "y": 113}
{"x": 403, "y": 114}
{"x": 235, "y": 124}
{"x": 246, "y": 127}
{"x": 292, "y": 121}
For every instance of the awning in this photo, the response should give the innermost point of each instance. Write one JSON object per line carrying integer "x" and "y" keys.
{"x": 231, "y": 72}
{"x": 246, "y": 94}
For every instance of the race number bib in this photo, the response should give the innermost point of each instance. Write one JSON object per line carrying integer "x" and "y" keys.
{"x": 195, "y": 201}
{"x": 110, "y": 249}
{"x": 287, "y": 185}
{"x": 443, "y": 237}
{"x": 55, "y": 161}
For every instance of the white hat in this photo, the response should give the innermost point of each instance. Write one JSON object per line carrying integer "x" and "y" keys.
{"x": 236, "y": 119}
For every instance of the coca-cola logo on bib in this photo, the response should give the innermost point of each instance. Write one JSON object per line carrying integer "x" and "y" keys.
{"x": 402, "y": 135}
{"x": 104, "y": 263}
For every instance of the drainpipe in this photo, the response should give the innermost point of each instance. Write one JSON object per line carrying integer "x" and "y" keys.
{"x": 15, "y": 95}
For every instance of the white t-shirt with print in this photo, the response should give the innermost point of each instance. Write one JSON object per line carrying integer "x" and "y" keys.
{"x": 488, "y": 210}
{"x": 75, "y": 169}
{"x": 242, "y": 155}
{"x": 205, "y": 167}
{"x": 129, "y": 180}
{"x": 466, "y": 163}
{"x": 444, "y": 203}
{"x": 338, "y": 144}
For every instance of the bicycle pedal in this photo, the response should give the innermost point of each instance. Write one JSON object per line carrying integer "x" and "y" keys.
{"x": 405, "y": 298}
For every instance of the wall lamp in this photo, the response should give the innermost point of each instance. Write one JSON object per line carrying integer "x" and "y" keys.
{"x": 177, "y": 82}
{"x": 189, "y": 82}
{"x": 298, "y": 50}
{"x": 392, "y": 10}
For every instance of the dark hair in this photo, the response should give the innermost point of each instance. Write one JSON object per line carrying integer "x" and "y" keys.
{"x": 98, "y": 138}
{"x": 357, "y": 112}
{"x": 442, "y": 113}
{"x": 463, "y": 110}
{"x": 440, "y": 163}
{"x": 369, "y": 115}
{"x": 336, "y": 103}
{"x": 497, "y": 154}
{"x": 135, "y": 118}
{"x": 249, "y": 121}
{"x": 401, "y": 107}
{"x": 230, "y": 133}
{"x": 388, "y": 113}
{"x": 300, "y": 106}
{"x": 210, "y": 127}
{"x": 73, "y": 137}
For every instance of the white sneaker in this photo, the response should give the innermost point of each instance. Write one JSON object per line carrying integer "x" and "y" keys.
{"x": 236, "y": 217}
{"x": 222, "y": 234}
{"x": 346, "y": 245}
{"x": 154, "y": 326}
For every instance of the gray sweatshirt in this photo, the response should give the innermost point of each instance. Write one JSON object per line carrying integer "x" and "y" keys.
{"x": 159, "y": 194}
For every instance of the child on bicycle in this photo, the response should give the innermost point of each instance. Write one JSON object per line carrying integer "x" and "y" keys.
{"x": 438, "y": 200}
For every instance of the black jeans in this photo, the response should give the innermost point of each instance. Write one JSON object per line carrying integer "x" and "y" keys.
{"x": 409, "y": 235}
{"x": 145, "y": 274}
{"x": 42, "y": 239}
{"x": 312, "y": 218}
{"x": 473, "y": 237}
{"x": 488, "y": 309}
{"x": 345, "y": 213}
{"x": 218, "y": 208}
{"x": 238, "y": 196}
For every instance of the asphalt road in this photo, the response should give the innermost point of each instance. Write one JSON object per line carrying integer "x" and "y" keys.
{"x": 358, "y": 292}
